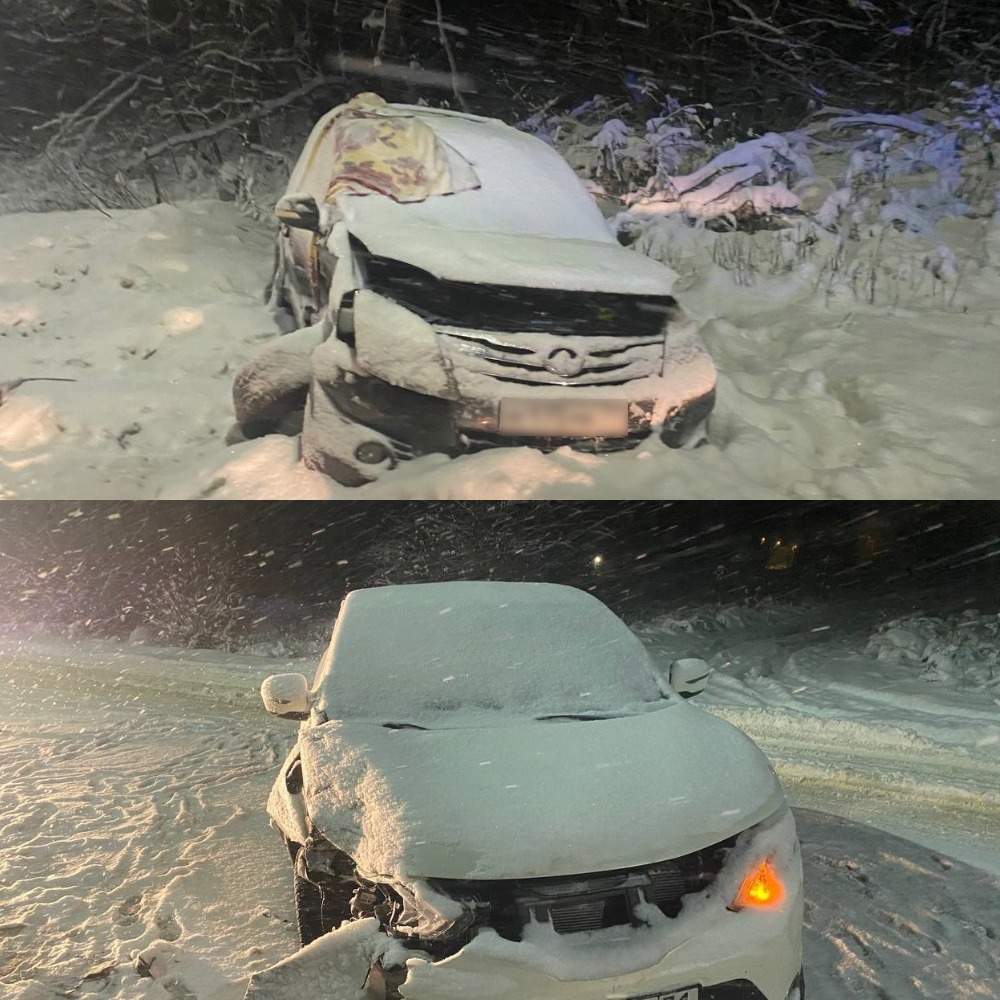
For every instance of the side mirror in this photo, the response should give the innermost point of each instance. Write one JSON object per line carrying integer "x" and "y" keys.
{"x": 286, "y": 696}
{"x": 689, "y": 676}
{"x": 299, "y": 211}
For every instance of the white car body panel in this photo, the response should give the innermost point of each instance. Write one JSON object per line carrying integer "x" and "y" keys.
{"x": 287, "y": 811}
{"x": 503, "y": 258}
{"x": 398, "y": 346}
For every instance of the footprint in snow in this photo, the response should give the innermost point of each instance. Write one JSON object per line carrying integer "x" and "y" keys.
{"x": 183, "y": 974}
{"x": 167, "y": 924}
{"x": 128, "y": 910}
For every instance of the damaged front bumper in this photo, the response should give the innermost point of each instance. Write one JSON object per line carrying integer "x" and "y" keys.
{"x": 466, "y": 418}
{"x": 706, "y": 952}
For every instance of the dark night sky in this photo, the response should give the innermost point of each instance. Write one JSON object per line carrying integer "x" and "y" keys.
{"x": 652, "y": 551}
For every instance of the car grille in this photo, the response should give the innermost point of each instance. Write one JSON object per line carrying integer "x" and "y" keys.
{"x": 591, "y": 902}
{"x": 553, "y": 359}
{"x": 510, "y": 308}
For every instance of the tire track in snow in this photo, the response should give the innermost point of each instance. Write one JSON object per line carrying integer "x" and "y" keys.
{"x": 129, "y": 815}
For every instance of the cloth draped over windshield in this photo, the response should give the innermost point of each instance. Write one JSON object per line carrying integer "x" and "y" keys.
{"x": 376, "y": 150}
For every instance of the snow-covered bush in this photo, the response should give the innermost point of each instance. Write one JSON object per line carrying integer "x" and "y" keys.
{"x": 961, "y": 650}
{"x": 644, "y": 162}
{"x": 759, "y": 611}
{"x": 929, "y": 165}
{"x": 612, "y": 146}
{"x": 750, "y": 179}
{"x": 189, "y": 602}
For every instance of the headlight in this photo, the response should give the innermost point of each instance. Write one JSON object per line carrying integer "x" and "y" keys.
{"x": 762, "y": 889}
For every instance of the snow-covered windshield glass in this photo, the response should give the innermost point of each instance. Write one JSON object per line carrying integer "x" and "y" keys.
{"x": 419, "y": 652}
{"x": 524, "y": 188}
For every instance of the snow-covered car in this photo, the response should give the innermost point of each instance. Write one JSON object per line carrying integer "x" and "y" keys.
{"x": 495, "y": 782}
{"x": 453, "y": 287}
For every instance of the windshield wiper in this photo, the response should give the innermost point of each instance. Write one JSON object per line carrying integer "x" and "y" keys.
{"x": 574, "y": 717}
{"x": 402, "y": 725}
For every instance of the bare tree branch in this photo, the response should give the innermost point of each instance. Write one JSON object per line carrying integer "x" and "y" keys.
{"x": 261, "y": 111}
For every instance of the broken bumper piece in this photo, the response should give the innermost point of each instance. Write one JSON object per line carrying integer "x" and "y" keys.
{"x": 334, "y": 967}
{"x": 358, "y": 962}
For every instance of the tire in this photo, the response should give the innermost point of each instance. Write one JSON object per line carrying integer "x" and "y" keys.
{"x": 273, "y": 384}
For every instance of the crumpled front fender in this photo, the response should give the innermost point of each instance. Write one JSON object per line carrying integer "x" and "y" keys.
{"x": 398, "y": 346}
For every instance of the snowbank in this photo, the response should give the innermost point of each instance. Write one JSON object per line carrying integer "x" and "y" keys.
{"x": 935, "y": 679}
{"x": 961, "y": 651}
{"x": 149, "y": 313}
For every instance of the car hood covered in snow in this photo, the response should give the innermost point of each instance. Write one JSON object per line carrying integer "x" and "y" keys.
{"x": 506, "y": 258}
{"x": 533, "y": 799}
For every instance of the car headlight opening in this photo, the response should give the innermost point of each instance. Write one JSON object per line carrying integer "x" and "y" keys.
{"x": 762, "y": 889}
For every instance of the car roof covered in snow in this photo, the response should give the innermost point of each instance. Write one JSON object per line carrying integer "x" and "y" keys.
{"x": 419, "y": 652}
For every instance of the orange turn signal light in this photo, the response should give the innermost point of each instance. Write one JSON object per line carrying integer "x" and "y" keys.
{"x": 761, "y": 889}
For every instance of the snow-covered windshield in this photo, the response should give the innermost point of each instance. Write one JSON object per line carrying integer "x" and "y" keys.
{"x": 526, "y": 188}
{"x": 419, "y": 652}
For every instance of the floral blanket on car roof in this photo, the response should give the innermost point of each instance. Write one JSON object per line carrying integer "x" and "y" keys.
{"x": 395, "y": 155}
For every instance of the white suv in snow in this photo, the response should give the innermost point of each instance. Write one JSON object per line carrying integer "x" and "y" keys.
{"x": 463, "y": 296}
{"x": 495, "y": 793}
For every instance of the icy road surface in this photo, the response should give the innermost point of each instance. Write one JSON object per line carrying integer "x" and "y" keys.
{"x": 150, "y": 313}
{"x": 132, "y": 824}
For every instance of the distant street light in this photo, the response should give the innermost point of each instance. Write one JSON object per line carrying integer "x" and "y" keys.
{"x": 598, "y": 561}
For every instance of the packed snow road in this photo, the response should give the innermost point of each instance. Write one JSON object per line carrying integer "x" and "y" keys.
{"x": 133, "y": 837}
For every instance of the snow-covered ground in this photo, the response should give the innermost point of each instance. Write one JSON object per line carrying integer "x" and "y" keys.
{"x": 821, "y": 394}
{"x": 132, "y": 825}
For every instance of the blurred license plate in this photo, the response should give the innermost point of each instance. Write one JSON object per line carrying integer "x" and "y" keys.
{"x": 687, "y": 993}
{"x": 570, "y": 418}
